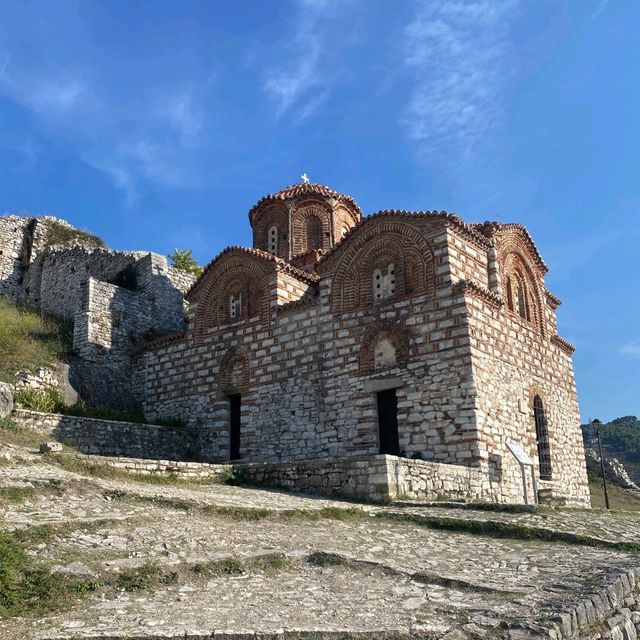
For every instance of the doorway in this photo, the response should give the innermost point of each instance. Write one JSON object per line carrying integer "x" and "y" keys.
{"x": 235, "y": 407}
{"x": 388, "y": 422}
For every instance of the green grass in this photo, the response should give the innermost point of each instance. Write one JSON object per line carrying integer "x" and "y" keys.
{"x": 29, "y": 341}
{"x": 28, "y": 587}
{"x": 619, "y": 499}
{"x": 15, "y": 495}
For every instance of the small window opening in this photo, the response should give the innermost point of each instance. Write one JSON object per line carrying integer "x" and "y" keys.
{"x": 272, "y": 241}
{"x": 542, "y": 437}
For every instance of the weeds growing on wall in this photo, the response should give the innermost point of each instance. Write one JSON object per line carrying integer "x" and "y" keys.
{"x": 59, "y": 234}
{"x": 51, "y": 401}
{"x": 29, "y": 340}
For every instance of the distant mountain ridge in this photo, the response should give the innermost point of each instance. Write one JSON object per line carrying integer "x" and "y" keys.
{"x": 621, "y": 440}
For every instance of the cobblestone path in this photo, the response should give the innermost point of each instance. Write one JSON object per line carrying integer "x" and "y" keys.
{"x": 310, "y": 565}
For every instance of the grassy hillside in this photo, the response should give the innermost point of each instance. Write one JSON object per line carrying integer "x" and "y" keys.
{"x": 620, "y": 439}
{"x": 29, "y": 341}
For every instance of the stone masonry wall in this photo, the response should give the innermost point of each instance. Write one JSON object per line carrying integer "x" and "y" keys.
{"x": 110, "y": 438}
{"x": 110, "y": 323}
{"x": 12, "y": 238}
{"x": 512, "y": 363}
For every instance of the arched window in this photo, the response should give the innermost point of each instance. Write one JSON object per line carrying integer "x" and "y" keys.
{"x": 235, "y": 305}
{"x": 510, "y": 295}
{"x": 523, "y": 310}
{"x": 314, "y": 233}
{"x": 542, "y": 437}
{"x": 272, "y": 240}
{"x": 384, "y": 282}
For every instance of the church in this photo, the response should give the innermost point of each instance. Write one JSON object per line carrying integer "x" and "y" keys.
{"x": 409, "y": 337}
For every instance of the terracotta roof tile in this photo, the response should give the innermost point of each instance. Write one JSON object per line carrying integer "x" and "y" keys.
{"x": 281, "y": 265}
{"x": 303, "y": 189}
{"x": 489, "y": 229}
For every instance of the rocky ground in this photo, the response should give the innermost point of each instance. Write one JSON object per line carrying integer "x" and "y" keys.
{"x": 188, "y": 560}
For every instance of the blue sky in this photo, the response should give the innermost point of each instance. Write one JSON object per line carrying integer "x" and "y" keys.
{"x": 158, "y": 124}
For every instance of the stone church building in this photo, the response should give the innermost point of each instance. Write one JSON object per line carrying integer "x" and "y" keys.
{"x": 339, "y": 337}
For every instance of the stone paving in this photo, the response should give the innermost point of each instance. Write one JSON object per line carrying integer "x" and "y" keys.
{"x": 357, "y": 572}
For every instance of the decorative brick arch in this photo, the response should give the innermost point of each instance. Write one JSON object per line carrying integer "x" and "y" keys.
{"x": 240, "y": 272}
{"x": 277, "y": 216}
{"x": 381, "y": 242}
{"x": 235, "y": 371}
{"x": 303, "y": 214}
{"x": 519, "y": 283}
{"x": 396, "y": 333}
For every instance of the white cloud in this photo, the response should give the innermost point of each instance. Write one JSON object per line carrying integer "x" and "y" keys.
{"x": 127, "y": 141}
{"x": 456, "y": 53}
{"x": 631, "y": 349}
{"x": 299, "y": 82}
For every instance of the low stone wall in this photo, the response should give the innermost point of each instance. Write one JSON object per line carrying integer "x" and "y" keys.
{"x": 609, "y": 612}
{"x": 373, "y": 477}
{"x": 111, "y": 438}
{"x": 361, "y": 477}
{"x": 186, "y": 470}
{"x": 420, "y": 480}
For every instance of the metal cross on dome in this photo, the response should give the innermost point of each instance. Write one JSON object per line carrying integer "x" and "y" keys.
{"x": 305, "y": 178}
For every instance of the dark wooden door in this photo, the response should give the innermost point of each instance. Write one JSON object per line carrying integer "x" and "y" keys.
{"x": 235, "y": 405}
{"x": 388, "y": 422}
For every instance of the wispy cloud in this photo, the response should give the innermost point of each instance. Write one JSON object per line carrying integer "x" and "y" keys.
{"x": 148, "y": 139}
{"x": 298, "y": 82}
{"x": 600, "y": 7}
{"x": 456, "y": 53}
{"x": 631, "y": 349}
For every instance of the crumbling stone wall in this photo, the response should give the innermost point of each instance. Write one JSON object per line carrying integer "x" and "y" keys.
{"x": 75, "y": 282}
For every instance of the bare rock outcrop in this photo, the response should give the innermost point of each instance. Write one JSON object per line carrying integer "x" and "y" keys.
{"x": 6, "y": 399}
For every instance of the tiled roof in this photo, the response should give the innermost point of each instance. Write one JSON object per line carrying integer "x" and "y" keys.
{"x": 258, "y": 253}
{"x": 469, "y": 230}
{"x": 303, "y": 189}
{"x": 489, "y": 229}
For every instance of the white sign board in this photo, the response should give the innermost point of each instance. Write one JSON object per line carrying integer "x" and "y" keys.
{"x": 520, "y": 454}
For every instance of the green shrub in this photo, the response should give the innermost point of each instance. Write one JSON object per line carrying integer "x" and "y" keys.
{"x": 139, "y": 579}
{"x": 183, "y": 259}
{"x": 49, "y": 401}
{"x": 9, "y": 425}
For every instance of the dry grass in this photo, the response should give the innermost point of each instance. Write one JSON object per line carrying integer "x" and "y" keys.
{"x": 29, "y": 341}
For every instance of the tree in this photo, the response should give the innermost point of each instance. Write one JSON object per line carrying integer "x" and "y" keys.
{"x": 183, "y": 259}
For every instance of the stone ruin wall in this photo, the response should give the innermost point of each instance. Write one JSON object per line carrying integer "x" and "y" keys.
{"x": 74, "y": 283}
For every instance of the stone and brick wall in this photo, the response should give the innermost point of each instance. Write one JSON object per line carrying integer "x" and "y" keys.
{"x": 111, "y": 438}
{"x": 463, "y": 368}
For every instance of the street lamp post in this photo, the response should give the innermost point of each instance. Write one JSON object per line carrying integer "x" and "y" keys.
{"x": 597, "y": 424}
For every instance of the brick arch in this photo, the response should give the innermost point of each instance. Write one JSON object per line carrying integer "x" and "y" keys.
{"x": 344, "y": 218}
{"x": 235, "y": 371}
{"x": 275, "y": 215}
{"x": 396, "y": 333}
{"x": 518, "y": 274}
{"x": 397, "y": 241}
{"x": 301, "y": 214}
{"x": 234, "y": 270}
